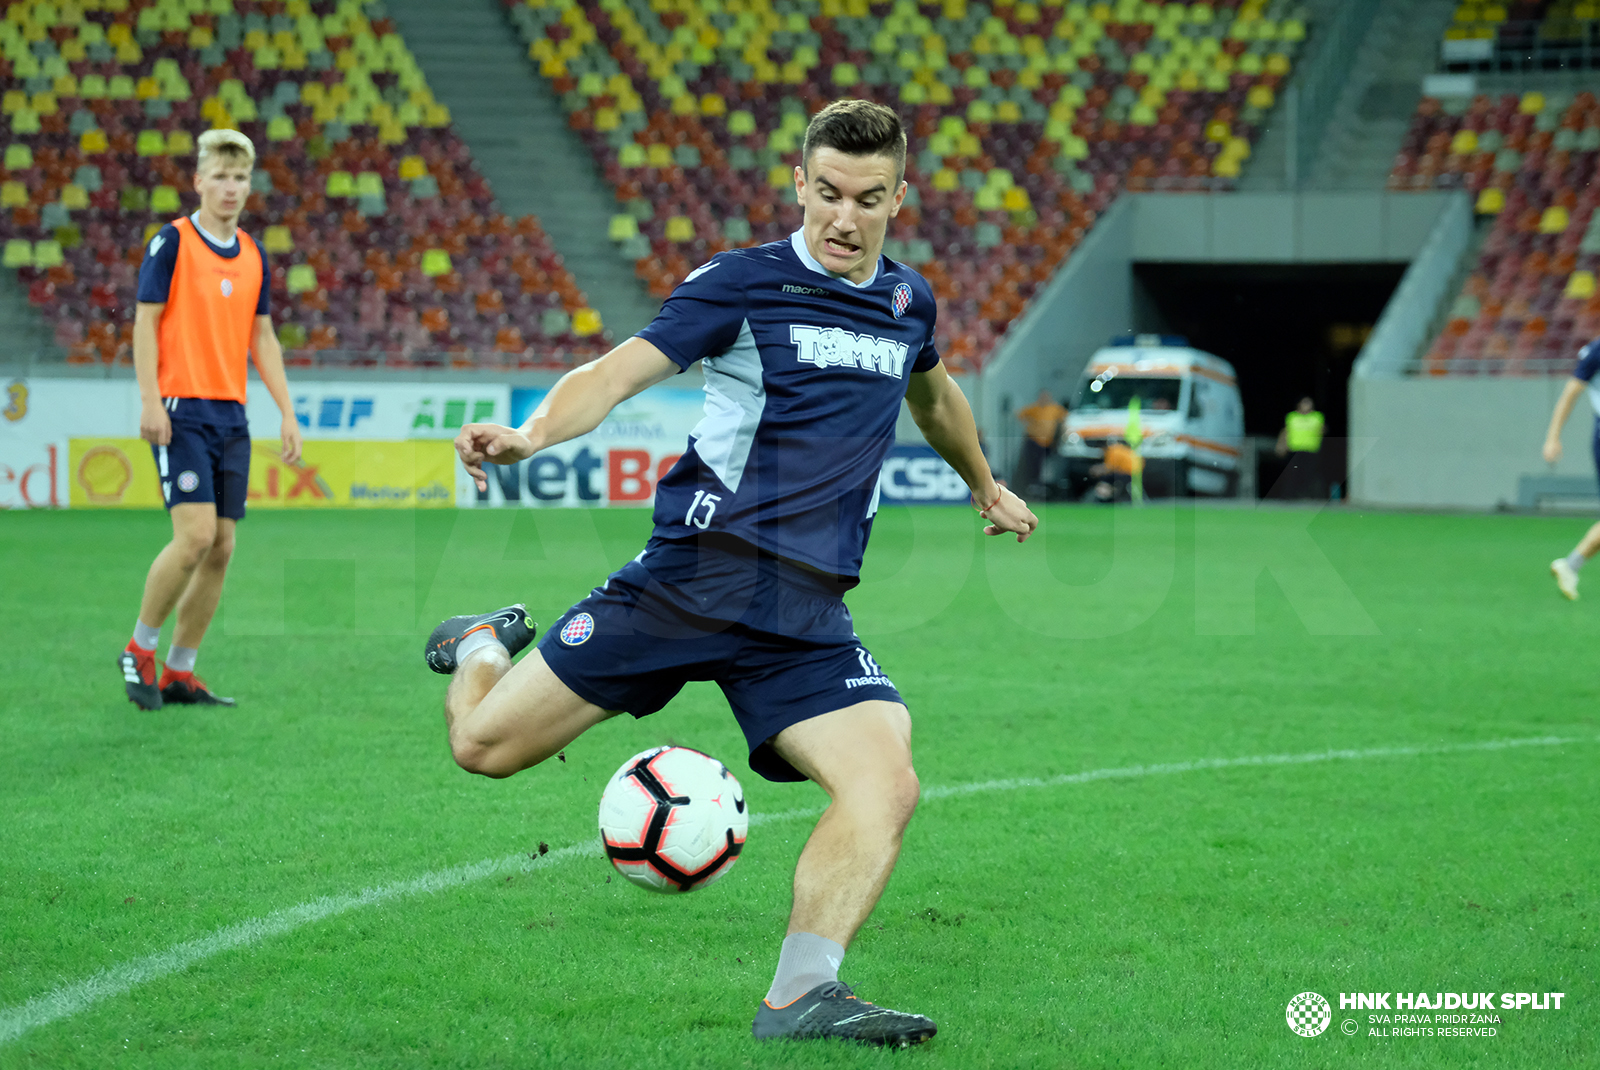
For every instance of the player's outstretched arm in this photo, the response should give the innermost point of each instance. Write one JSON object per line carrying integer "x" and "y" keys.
{"x": 941, "y": 411}
{"x": 575, "y": 406}
{"x": 268, "y": 354}
{"x": 1558, "y": 418}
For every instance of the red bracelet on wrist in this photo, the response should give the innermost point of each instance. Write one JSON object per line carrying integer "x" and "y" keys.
{"x": 991, "y": 505}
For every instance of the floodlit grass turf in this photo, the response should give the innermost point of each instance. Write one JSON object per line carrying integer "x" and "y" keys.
{"x": 1155, "y": 921}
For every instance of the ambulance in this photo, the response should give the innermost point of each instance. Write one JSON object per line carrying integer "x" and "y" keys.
{"x": 1190, "y": 418}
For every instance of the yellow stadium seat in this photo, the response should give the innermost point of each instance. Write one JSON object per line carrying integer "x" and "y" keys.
{"x": 586, "y": 322}
{"x": 412, "y": 167}
{"x": 780, "y": 176}
{"x": 945, "y": 180}
{"x": 93, "y": 142}
{"x": 436, "y": 262}
{"x": 25, "y": 121}
{"x": 988, "y": 199}
{"x": 1580, "y": 285}
{"x": 47, "y": 254}
{"x": 18, "y": 253}
{"x": 622, "y": 227}
{"x": 1554, "y": 220}
{"x": 658, "y": 155}
{"x": 712, "y": 104}
{"x": 741, "y": 123}
{"x": 1016, "y": 199}
{"x": 1492, "y": 201}
{"x": 632, "y": 154}
{"x": 164, "y": 200}
{"x": 280, "y": 128}
{"x": 680, "y": 228}
{"x": 1532, "y": 103}
{"x": 369, "y": 184}
{"x": 15, "y": 100}
{"x": 13, "y": 195}
{"x": 180, "y": 143}
{"x": 277, "y": 239}
{"x": 74, "y": 197}
{"x": 151, "y": 143}
{"x": 341, "y": 184}
{"x": 1260, "y": 96}
{"x": 302, "y": 278}
{"x": 19, "y": 155}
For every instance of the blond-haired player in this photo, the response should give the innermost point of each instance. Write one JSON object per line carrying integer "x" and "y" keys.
{"x": 203, "y": 311}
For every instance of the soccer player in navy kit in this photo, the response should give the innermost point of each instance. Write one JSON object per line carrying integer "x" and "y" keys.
{"x": 809, "y": 345}
{"x": 1565, "y": 569}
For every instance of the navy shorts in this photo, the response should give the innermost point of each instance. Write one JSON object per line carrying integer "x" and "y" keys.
{"x": 1594, "y": 446}
{"x": 777, "y": 639}
{"x": 205, "y": 462}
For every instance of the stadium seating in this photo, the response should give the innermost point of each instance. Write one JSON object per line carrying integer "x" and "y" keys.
{"x": 1529, "y": 162}
{"x": 1523, "y": 35}
{"x": 1025, "y": 120}
{"x": 384, "y": 240}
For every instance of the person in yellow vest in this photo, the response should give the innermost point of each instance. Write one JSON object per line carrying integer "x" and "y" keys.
{"x": 1301, "y": 441}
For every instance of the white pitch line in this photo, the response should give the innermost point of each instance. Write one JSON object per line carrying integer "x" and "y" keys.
{"x": 71, "y": 999}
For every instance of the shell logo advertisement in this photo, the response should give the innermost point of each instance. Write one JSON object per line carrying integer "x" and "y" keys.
{"x": 121, "y": 473}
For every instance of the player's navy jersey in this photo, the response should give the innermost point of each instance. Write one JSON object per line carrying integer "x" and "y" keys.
{"x": 805, "y": 372}
{"x": 1588, "y": 365}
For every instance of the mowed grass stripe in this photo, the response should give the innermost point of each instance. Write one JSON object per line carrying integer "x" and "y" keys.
{"x": 71, "y": 999}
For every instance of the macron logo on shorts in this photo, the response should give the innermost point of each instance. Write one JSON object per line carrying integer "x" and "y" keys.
{"x": 873, "y": 675}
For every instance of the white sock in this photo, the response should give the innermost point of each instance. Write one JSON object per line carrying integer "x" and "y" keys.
{"x": 478, "y": 640}
{"x": 1576, "y": 560}
{"x": 144, "y": 636}
{"x": 181, "y": 658}
{"x": 806, "y": 961}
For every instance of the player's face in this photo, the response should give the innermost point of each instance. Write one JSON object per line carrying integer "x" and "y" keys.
{"x": 848, "y": 201}
{"x": 224, "y": 185}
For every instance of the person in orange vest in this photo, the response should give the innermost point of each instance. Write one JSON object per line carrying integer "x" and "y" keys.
{"x": 203, "y": 312}
{"x": 1301, "y": 441}
{"x": 1041, "y": 424}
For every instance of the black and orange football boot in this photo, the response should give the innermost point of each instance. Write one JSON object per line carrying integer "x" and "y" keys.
{"x": 139, "y": 676}
{"x": 510, "y": 626}
{"x": 188, "y": 689}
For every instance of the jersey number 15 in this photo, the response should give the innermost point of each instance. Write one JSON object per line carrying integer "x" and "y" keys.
{"x": 701, "y": 498}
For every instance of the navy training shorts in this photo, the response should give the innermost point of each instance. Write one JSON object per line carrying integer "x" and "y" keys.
{"x": 777, "y": 639}
{"x": 205, "y": 461}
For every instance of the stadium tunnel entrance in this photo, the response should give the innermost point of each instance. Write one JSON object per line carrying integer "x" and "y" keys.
{"x": 1289, "y": 330}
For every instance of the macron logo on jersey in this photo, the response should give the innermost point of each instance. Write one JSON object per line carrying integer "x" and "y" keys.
{"x": 835, "y": 347}
{"x": 156, "y": 243}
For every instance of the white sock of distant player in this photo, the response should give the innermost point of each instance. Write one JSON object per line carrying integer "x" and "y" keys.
{"x": 181, "y": 658}
{"x": 478, "y": 640}
{"x": 806, "y": 961}
{"x": 144, "y": 636}
{"x": 1576, "y": 559}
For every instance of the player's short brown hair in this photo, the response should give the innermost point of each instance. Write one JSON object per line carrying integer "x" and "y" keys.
{"x": 228, "y": 144}
{"x": 857, "y": 128}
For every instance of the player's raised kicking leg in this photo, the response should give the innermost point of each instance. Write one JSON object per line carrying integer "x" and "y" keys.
{"x": 861, "y": 756}
{"x": 503, "y": 718}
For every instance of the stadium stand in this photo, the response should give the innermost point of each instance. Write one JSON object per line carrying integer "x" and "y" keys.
{"x": 385, "y": 243}
{"x": 1026, "y": 120}
{"x": 1529, "y": 160}
{"x": 1528, "y": 35}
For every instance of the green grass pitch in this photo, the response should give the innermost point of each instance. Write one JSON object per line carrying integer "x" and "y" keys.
{"x": 1157, "y": 918}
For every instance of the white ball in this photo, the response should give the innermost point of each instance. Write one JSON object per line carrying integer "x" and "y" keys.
{"x": 673, "y": 819}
